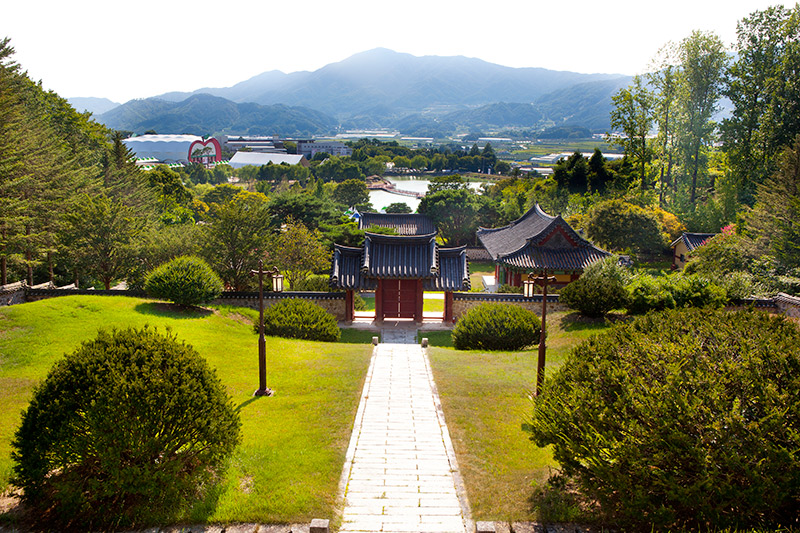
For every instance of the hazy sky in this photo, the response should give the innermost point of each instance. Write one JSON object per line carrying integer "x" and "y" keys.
{"x": 141, "y": 48}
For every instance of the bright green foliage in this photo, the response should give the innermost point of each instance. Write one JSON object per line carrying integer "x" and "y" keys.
{"x": 633, "y": 114}
{"x": 131, "y": 426}
{"x": 682, "y": 418}
{"x": 398, "y": 207}
{"x": 300, "y": 319}
{"x": 600, "y": 289}
{"x": 299, "y": 253}
{"x": 648, "y": 293}
{"x": 455, "y": 213}
{"x": 185, "y": 280}
{"x": 352, "y": 193}
{"x": 495, "y": 326}
{"x": 619, "y": 225}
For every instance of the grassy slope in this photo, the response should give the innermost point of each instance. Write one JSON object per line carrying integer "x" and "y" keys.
{"x": 486, "y": 400}
{"x": 289, "y": 463}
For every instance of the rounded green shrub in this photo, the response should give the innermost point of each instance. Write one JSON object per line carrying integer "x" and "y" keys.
{"x": 600, "y": 289}
{"x": 496, "y": 326}
{"x": 186, "y": 280}
{"x": 648, "y": 293}
{"x": 129, "y": 429}
{"x": 684, "y": 418}
{"x": 296, "y": 318}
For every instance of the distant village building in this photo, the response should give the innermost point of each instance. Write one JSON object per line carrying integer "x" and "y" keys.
{"x": 241, "y": 159}
{"x": 311, "y": 148}
{"x": 535, "y": 242}
{"x": 684, "y": 245}
{"x": 399, "y": 268}
{"x": 254, "y": 143}
{"x": 174, "y": 149}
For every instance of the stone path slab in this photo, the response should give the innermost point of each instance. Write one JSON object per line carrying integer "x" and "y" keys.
{"x": 401, "y": 473}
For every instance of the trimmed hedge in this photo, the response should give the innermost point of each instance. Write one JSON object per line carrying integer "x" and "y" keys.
{"x": 296, "y": 318}
{"x": 599, "y": 290}
{"x": 186, "y": 280}
{"x": 648, "y": 293}
{"x": 496, "y": 326}
{"x": 685, "y": 418}
{"x": 130, "y": 429}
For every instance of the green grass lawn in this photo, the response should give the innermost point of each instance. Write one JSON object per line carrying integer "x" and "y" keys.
{"x": 288, "y": 466}
{"x": 486, "y": 400}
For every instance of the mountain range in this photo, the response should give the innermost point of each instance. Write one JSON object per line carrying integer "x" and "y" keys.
{"x": 382, "y": 89}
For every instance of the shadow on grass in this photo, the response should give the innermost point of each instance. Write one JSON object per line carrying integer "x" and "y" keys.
{"x": 246, "y": 403}
{"x": 575, "y": 321}
{"x": 357, "y": 336}
{"x": 440, "y": 339}
{"x": 558, "y": 501}
{"x": 163, "y": 309}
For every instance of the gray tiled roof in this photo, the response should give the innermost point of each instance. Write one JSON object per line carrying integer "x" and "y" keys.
{"x": 399, "y": 257}
{"x": 404, "y": 224}
{"x": 503, "y": 241}
{"x": 537, "y": 241}
{"x": 693, "y": 240}
{"x": 453, "y": 271}
{"x": 346, "y": 271}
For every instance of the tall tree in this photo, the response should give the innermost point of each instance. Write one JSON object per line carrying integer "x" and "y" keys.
{"x": 703, "y": 57}
{"x": 776, "y": 215}
{"x": 299, "y": 252}
{"x": 763, "y": 85}
{"x": 633, "y": 115}
{"x": 237, "y": 236}
{"x": 665, "y": 80}
{"x": 455, "y": 213}
{"x": 101, "y": 233}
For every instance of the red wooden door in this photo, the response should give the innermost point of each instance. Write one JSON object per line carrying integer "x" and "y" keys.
{"x": 399, "y": 298}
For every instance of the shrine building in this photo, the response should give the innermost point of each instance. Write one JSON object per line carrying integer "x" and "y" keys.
{"x": 537, "y": 242}
{"x": 399, "y": 268}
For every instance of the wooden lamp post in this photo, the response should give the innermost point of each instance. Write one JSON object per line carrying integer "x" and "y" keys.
{"x": 277, "y": 286}
{"x": 529, "y": 285}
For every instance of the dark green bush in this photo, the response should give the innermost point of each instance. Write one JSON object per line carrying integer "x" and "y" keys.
{"x": 295, "y": 318}
{"x": 186, "y": 280}
{"x": 129, "y": 429}
{"x": 648, "y": 293}
{"x": 358, "y": 303}
{"x": 684, "y": 418}
{"x": 600, "y": 289}
{"x": 505, "y": 288}
{"x": 496, "y": 326}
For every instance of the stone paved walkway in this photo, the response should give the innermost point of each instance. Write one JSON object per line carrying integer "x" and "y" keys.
{"x": 401, "y": 474}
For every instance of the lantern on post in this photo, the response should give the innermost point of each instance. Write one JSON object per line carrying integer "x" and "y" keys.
{"x": 277, "y": 286}
{"x": 528, "y": 286}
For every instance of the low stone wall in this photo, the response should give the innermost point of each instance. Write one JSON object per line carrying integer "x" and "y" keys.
{"x": 464, "y": 301}
{"x": 788, "y": 305}
{"x": 13, "y": 293}
{"x": 332, "y": 302}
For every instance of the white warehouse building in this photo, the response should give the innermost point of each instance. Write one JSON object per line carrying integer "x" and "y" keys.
{"x": 164, "y": 148}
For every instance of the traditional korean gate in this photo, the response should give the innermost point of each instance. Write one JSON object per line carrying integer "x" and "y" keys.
{"x": 399, "y": 298}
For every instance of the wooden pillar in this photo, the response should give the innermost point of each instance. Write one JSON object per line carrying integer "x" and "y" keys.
{"x": 349, "y": 306}
{"x": 448, "y": 307}
{"x": 420, "y": 303}
{"x": 379, "y": 302}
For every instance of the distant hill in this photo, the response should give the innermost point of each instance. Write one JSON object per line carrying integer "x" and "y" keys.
{"x": 428, "y": 96}
{"x": 401, "y": 82}
{"x": 203, "y": 114}
{"x": 96, "y": 106}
